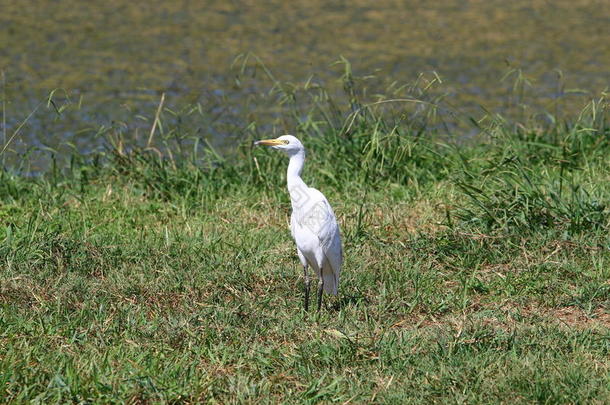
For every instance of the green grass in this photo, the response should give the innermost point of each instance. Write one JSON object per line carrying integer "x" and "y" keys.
{"x": 473, "y": 273}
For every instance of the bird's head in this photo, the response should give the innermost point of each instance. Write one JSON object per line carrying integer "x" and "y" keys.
{"x": 287, "y": 143}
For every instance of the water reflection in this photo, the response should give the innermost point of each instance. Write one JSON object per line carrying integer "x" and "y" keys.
{"x": 115, "y": 58}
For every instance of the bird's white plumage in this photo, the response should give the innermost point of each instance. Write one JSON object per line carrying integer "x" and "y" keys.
{"x": 313, "y": 223}
{"x": 315, "y": 231}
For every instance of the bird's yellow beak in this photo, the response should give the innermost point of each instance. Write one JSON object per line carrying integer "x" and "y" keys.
{"x": 271, "y": 142}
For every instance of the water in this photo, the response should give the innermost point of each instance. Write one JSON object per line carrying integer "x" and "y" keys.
{"x": 114, "y": 59}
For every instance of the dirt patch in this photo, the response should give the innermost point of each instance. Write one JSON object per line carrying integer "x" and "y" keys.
{"x": 508, "y": 316}
{"x": 574, "y": 317}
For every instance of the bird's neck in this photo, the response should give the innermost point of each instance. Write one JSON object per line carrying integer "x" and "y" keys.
{"x": 293, "y": 176}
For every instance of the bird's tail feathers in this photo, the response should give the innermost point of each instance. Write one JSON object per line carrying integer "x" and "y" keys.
{"x": 331, "y": 283}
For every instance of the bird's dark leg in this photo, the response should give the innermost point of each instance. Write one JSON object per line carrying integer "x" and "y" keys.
{"x": 306, "y": 284}
{"x": 320, "y": 291}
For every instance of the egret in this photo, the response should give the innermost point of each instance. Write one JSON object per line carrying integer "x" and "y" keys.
{"x": 313, "y": 223}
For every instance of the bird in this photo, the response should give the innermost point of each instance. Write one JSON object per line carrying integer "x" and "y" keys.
{"x": 313, "y": 223}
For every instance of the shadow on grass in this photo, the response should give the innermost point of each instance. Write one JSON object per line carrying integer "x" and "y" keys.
{"x": 347, "y": 300}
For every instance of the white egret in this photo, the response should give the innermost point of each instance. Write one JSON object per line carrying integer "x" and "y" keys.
{"x": 313, "y": 223}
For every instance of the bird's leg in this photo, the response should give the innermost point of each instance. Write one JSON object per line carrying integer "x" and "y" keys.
{"x": 320, "y": 290}
{"x": 306, "y": 282}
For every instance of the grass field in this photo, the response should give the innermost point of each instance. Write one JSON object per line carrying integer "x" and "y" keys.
{"x": 473, "y": 272}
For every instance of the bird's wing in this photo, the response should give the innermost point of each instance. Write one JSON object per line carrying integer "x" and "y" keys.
{"x": 326, "y": 229}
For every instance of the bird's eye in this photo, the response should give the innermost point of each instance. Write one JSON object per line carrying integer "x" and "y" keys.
{"x": 285, "y": 142}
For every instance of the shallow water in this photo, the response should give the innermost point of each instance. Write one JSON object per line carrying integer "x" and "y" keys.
{"x": 113, "y": 59}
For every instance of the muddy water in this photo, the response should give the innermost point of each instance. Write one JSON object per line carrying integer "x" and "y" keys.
{"x": 113, "y": 59}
